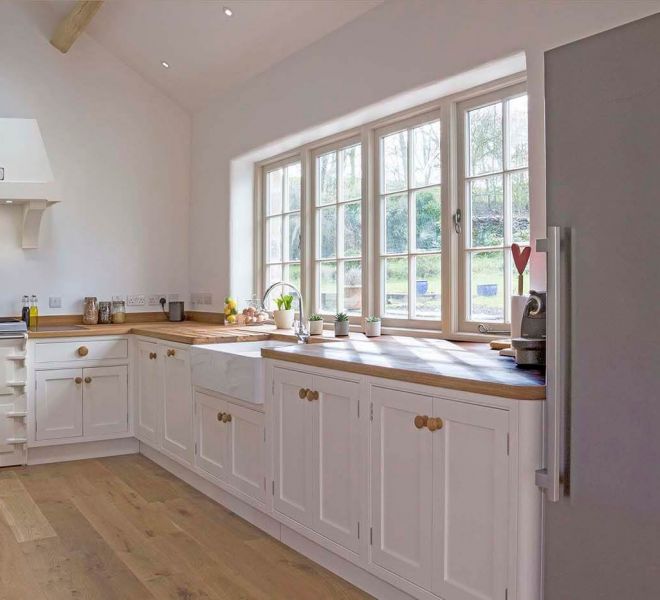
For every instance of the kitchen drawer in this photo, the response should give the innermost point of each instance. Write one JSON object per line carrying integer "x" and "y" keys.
{"x": 81, "y": 350}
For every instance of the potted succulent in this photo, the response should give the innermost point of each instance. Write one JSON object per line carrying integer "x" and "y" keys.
{"x": 341, "y": 324}
{"x": 372, "y": 326}
{"x": 284, "y": 314}
{"x": 315, "y": 325}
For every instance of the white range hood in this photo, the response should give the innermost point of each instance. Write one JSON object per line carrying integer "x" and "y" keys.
{"x": 25, "y": 174}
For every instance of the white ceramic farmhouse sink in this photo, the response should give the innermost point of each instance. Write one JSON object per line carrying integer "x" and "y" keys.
{"x": 234, "y": 369}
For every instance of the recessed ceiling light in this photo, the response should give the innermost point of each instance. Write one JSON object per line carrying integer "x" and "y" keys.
{"x": 165, "y": 64}
{"x": 228, "y": 11}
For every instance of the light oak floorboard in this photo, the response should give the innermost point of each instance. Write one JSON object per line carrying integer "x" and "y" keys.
{"x": 124, "y": 528}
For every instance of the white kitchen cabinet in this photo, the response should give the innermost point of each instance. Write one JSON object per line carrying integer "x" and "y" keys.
{"x": 211, "y": 434}
{"x": 317, "y": 454}
{"x": 149, "y": 392}
{"x": 246, "y": 451}
{"x": 59, "y": 404}
{"x": 178, "y": 404}
{"x": 401, "y": 485}
{"x": 105, "y": 400}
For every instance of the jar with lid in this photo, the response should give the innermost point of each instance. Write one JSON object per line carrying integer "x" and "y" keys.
{"x": 118, "y": 311}
{"x": 90, "y": 311}
{"x": 105, "y": 313}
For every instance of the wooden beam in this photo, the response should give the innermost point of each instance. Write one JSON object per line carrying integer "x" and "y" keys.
{"x": 74, "y": 24}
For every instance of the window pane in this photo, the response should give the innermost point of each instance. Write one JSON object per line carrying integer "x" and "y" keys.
{"x": 274, "y": 204}
{"x": 327, "y": 178}
{"x": 352, "y": 219}
{"x": 351, "y": 161}
{"x": 292, "y": 187}
{"x": 486, "y": 198}
{"x": 328, "y": 232}
{"x": 292, "y": 233}
{"x": 485, "y": 139}
{"x": 427, "y": 219}
{"x": 274, "y": 228}
{"x": 396, "y": 287}
{"x": 519, "y": 182}
{"x": 428, "y": 286}
{"x": 396, "y": 224}
{"x": 487, "y": 286}
{"x": 426, "y": 154}
{"x": 394, "y": 158}
{"x": 353, "y": 287}
{"x": 517, "y": 133}
{"x": 273, "y": 275}
{"x": 292, "y": 274}
{"x": 328, "y": 272}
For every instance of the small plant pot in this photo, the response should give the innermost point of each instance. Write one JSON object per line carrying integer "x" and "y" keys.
{"x": 284, "y": 318}
{"x": 372, "y": 328}
{"x": 316, "y": 328}
{"x": 341, "y": 328}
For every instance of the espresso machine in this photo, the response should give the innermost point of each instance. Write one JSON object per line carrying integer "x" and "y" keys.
{"x": 529, "y": 348}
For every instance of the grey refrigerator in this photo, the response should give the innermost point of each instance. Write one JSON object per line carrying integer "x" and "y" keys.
{"x": 601, "y": 479}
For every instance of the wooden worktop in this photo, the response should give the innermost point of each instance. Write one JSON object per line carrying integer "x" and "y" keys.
{"x": 462, "y": 366}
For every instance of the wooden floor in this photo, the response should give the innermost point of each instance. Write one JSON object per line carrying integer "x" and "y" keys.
{"x": 123, "y": 528}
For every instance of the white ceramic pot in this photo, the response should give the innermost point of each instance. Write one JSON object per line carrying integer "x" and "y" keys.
{"x": 315, "y": 327}
{"x": 284, "y": 318}
{"x": 341, "y": 328}
{"x": 517, "y": 307}
{"x": 372, "y": 328}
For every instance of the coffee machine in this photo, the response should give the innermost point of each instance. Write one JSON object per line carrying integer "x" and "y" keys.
{"x": 529, "y": 348}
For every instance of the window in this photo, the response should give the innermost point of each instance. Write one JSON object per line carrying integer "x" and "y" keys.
{"x": 338, "y": 230}
{"x": 494, "y": 197}
{"x": 282, "y": 226}
{"x": 410, "y": 221}
{"x": 365, "y": 222}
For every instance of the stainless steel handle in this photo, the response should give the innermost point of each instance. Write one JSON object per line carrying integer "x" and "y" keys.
{"x": 552, "y": 476}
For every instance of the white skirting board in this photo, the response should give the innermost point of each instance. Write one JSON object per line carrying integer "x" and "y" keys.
{"x": 337, "y": 565}
{"x": 52, "y": 454}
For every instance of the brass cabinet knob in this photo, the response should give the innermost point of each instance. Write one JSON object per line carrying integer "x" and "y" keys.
{"x": 78, "y": 379}
{"x": 434, "y": 424}
{"x": 171, "y": 352}
{"x": 312, "y": 395}
{"x": 302, "y": 393}
{"x": 88, "y": 380}
{"x": 83, "y": 351}
{"x": 153, "y": 355}
{"x": 226, "y": 418}
{"x": 421, "y": 421}
{"x": 220, "y": 415}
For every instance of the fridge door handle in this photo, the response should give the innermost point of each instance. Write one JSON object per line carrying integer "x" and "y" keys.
{"x": 550, "y": 477}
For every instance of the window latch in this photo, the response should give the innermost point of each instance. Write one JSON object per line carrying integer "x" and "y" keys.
{"x": 457, "y": 218}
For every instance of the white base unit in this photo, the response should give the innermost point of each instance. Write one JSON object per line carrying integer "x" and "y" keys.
{"x": 13, "y": 409}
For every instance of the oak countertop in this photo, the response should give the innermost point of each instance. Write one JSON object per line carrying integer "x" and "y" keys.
{"x": 465, "y": 366}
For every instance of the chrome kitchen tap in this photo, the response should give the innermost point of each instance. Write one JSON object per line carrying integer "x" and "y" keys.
{"x": 302, "y": 333}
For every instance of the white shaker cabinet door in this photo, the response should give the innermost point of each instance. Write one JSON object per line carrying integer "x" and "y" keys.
{"x": 212, "y": 434}
{"x": 148, "y": 406}
{"x": 401, "y": 485}
{"x": 59, "y": 404}
{"x": 337, "y": 460}
{"x": 105, "y": 401}
{"x": 178, "y": 404}
{"x": 293, "y": 446}
{"x": 470, "y": 501}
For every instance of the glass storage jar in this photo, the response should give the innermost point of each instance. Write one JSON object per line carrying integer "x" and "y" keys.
{"x": 118, "y": 311}
{"x": 90, "y": 311}
{"x": 105, "y": 313}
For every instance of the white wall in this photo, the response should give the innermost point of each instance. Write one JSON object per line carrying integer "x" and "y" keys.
{"x": 120, "y": 152}
{"x": 399, "y": 46}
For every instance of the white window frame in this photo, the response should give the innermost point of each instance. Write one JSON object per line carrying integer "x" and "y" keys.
{"x": 501, "y": 95}
{"x": 452, "y": 324}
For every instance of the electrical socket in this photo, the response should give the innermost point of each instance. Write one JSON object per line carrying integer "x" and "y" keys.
{"x": 153, "y": 299}
{"x": 55, "y": 302}
{"x": 207, "y": 299}
{"x": 173, "y": 297}
{"x": 119, "y": 298}
{"x": 136, "y": 300}
{"x": 199, "y": 299}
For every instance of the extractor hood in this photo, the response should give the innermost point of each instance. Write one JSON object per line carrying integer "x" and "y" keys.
{"x": 25, "y": 174}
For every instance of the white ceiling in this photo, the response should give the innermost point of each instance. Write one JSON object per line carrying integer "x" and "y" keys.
{"x": 208, "y": 52}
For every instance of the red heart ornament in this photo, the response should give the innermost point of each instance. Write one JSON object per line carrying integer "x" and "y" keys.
{"x": 521, "y": 256}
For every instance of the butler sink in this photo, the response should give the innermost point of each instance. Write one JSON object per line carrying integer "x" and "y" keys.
{"x": 234, "y": 369}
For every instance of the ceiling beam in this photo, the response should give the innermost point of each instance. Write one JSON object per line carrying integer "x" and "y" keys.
{"x": 74, "y": 24}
